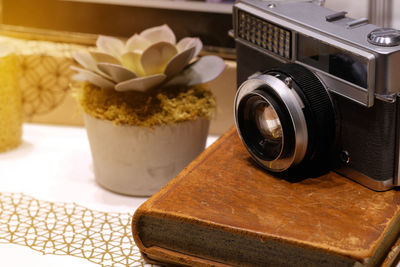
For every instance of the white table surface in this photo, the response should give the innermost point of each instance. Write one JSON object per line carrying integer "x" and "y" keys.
{"x": 54, "y": 163}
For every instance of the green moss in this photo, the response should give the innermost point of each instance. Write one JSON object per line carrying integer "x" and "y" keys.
{"x": 160, "y": 106}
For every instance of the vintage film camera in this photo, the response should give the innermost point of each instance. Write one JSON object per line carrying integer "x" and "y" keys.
{"x": 318, "y": 90}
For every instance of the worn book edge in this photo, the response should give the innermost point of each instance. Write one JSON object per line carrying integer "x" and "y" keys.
{"x": 159, "y": 254}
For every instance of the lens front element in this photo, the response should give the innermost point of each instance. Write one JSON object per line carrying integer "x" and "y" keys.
{"x": 268, "y": 123}
{"x": 265, "y": 130}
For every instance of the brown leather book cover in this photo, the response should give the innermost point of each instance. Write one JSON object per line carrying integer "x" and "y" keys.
{"x": 222, "y": 210}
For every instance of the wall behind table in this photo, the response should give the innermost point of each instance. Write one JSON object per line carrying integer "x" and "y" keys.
{"x": 46, "y": 76}
{"x": 116, "y": 20}
{"x": 57, "y": 106}
{"x": 45, "y": 69}
{"x": 359, "y": 9}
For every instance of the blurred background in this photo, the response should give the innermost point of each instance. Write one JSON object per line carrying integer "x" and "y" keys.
{"x": 210, "y": 20}
{"x": 46, "y": 33}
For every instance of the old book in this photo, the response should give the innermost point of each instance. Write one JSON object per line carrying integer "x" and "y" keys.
{"x": 223, "y": 210}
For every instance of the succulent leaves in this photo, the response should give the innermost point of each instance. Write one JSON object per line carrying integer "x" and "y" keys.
{"x": 149, "y": 59}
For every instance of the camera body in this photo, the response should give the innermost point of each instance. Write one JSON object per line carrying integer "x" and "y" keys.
{"x": 318, "y": 89}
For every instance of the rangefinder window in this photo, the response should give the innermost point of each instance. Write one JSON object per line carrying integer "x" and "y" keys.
{"x": 333, "y": 60}
{"x": 264, "y": 34}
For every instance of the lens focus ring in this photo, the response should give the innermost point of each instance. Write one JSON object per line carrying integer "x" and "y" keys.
{"x": 319, "y": 113}
{"x": 288, "y": 107}
{"x": 303, "y": 119}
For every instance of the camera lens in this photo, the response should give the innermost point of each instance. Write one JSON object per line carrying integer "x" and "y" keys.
{"x": 268, "y": 123}
{"x": 266, "y": 128}
{"x": 264, "y": 133}
{"x": 285, "y": 124}
{"x": 270, "y": 128}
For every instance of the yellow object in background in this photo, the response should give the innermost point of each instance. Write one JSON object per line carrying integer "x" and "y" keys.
{"x": 45, "y": 78}
{"x": 10, "y": 104}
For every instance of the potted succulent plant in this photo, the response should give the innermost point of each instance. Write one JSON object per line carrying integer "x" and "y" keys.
{"x": 146, "y": 107}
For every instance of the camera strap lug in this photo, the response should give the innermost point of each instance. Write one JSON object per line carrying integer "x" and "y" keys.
{"x": 388, "y": 98}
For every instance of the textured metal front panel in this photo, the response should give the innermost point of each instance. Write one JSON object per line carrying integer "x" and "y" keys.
{"x": 369, "y": 135}
{"x": 251, "y": 61}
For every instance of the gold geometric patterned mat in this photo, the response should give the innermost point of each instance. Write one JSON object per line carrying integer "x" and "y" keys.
{"x": 68, "y": 229}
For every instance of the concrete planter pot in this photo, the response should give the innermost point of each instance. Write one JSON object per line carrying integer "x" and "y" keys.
{"x": 139, "y": 161}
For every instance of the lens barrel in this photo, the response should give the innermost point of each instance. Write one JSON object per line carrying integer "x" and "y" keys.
{"x": 262, "y": 139}
{"x": 286, "y": 119}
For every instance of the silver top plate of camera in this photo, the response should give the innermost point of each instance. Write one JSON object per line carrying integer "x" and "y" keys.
{"x": 325, "y": 41}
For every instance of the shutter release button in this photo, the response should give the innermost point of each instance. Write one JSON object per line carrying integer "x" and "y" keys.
{"x": 384, "y": 37}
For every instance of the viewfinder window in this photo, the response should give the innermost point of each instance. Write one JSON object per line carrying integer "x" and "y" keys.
{"x": 333, "y": 60}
